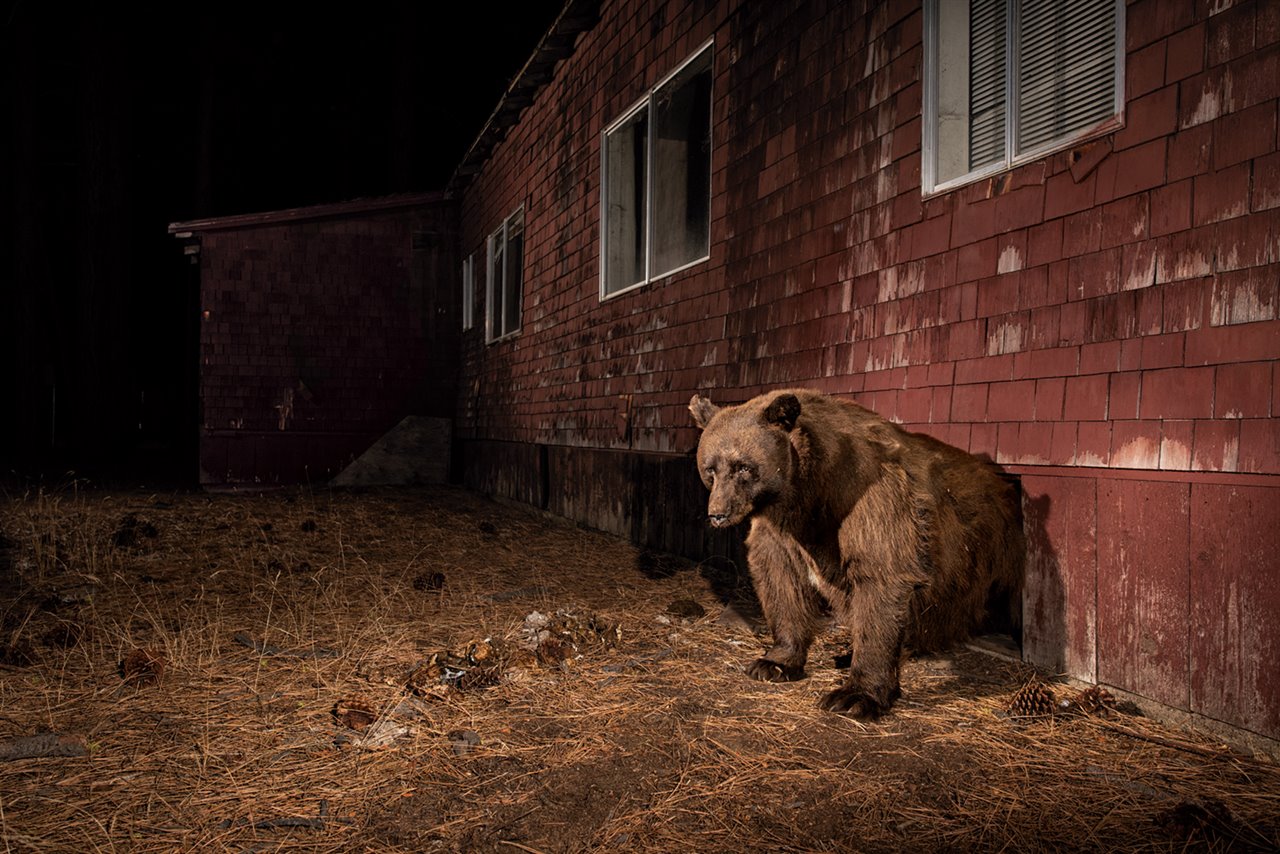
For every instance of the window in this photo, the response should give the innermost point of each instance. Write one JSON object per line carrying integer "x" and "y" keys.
{"x": 505, "y": 279}
{"x": 1008, "y": 81}
{"x": 469, "y": 292}
{"x": 656, "y": 193}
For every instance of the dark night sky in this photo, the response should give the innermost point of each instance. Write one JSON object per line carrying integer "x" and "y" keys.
{"x": 122, "y": 118}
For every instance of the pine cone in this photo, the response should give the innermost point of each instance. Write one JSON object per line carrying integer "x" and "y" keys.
{"x": 553, "y": 650}
{"x": 356, "y": 711}
{"x": 428, "y": 581}
{"x": 475, "y": 652}
{"x": 425, "y": 680}
{"x": 479, "y": 677}
{"x": 1095, "y": 700}
{"x": 142, "y": 666}
{"x": 1033, "y": 700}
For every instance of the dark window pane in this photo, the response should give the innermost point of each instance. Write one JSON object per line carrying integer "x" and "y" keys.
{"x": 625, "y": 176}
{"x": 682, "y": 167}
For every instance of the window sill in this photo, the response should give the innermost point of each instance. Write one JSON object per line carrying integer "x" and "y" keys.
{"x": 502, "y": 338}
{"x": 1106, "y": 127}
{"x": 604, "y": 297}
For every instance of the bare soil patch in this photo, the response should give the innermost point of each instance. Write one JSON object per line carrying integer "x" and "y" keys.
{"x": 351, "y": 671}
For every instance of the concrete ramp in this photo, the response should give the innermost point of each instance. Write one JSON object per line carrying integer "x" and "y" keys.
{"x": 415, "y": 451}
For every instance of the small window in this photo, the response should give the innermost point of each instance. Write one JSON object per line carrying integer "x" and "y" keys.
{"x": 656, "y": 194}
{"x": 469, "y": 292}
{"x": 505, "y": 279}
{"x": 1007, "y": 81}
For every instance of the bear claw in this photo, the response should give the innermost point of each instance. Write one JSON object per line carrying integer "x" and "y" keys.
{"x": 852, "y": 702}
{"x": 767, "y": 670}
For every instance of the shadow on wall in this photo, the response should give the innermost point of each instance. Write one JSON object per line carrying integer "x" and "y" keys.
{"x": 1044, "y": 601}
{"x": 668, "y": 513}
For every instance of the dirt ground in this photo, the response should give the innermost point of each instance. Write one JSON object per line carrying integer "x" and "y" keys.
{"x": 360, "y": 671}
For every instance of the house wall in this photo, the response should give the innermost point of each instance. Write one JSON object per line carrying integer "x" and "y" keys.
{"x": 319, "y": 333}
{"x": 1102, "y": 322}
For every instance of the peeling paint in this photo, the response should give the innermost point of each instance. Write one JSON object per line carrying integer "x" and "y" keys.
{"x": 1010, "y": 260}
{"x": 1141, "y": 275}
{"x": 886, "y": 189}
{"x": 1231, "y": 454}
{"x": 1247, "y": 306}
{"x": 1209, "y": 106}
{"x": 1188, "y": 262}
{"x": 1141, "y": 453}
{"x": 1242, "y": 304}
{"x": 913, "y": 282}
{"x": 887, "y": 284}
{"x": 1227, "y": 461}
{"x": 1230, "y": 258}
{"x": 1008, "y": 337}
{"x": 876, "y": 57}
{"x": 1087, "y": 458}
{"x": 1174, "y": 454}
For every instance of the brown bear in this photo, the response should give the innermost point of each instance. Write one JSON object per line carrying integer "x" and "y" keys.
{"x": 905, "y": 537}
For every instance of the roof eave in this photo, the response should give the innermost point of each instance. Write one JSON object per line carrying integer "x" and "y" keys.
{"x": 353, "y": 207}
{"x": 558, "y": 43}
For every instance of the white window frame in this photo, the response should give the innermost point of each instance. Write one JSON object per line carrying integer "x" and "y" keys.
{"x": 496, "y": 289}
{"x": 928, "y": 174}
{"x": 469, "y": 292}
{"x": 647, "y": 103}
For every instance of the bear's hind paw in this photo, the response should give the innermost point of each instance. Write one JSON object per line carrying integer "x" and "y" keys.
{"x": 767, "y": 670}
{"x": 852, "y": 702}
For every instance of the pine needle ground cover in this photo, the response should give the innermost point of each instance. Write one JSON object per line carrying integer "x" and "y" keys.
{"x": 428, "y": 670}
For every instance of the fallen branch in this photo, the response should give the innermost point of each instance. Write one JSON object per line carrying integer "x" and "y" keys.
{"x": 264, "y": 648}
{"x": 638, "y": 661}
{"x": 519, "y": 593}
{"x": 318, "y": 823}
{"x": 518, "y": 845}
{"x": 288, "y": 821}
{"x": 44, "y": 744}
{"x": 1166, "y": 742}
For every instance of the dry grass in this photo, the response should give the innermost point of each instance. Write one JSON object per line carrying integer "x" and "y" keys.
{"x": 658, "y": 744}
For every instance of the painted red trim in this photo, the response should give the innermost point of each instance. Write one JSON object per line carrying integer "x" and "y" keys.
{"x": 1219, "y": 478}
{"x": 337, "y": 209}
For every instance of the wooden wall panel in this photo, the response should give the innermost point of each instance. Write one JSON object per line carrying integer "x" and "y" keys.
{"x": 1143, "y": 578}
{"x": 1235, "y": 605}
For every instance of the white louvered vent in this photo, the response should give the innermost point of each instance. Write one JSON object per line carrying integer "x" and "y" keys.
{"x": 1010, "y": 81}
{"x": 987, "y": 21}
{"x": 1066, "y": 68}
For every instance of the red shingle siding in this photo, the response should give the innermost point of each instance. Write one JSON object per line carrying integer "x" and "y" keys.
{"x": 816, "y": 192}
{"x": 1111, "y": 308}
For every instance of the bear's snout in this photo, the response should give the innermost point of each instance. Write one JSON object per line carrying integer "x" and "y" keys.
{"x": 719, "y": 520}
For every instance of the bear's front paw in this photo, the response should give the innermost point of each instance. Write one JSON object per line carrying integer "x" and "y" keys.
{"x": 853, "y": 702}
{"x": 767, "y": 670}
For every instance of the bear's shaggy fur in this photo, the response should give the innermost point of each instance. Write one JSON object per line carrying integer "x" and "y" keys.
{"x": 906, "y": 538}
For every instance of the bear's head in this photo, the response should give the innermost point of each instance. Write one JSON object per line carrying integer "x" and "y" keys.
{"x": 744, "y": 455}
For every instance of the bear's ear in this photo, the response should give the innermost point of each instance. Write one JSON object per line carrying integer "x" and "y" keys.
{"x": 783, "y": 411}
{"x": 702, "y": 409}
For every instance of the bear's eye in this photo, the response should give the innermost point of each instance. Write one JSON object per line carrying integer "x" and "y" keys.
{"x": 743, "y": 471}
